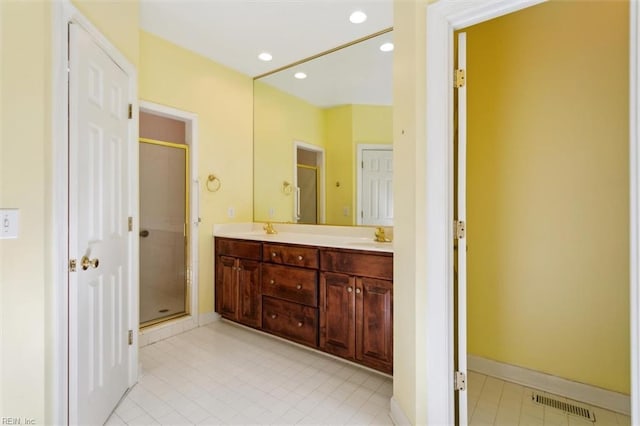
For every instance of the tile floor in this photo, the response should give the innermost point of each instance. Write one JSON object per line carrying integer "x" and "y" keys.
{"x": 494, "y": 402}
{"x": 222, "y": 374}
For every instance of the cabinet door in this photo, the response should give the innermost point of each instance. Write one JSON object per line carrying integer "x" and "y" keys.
{"x": 249, "y": 294}
{"x": 374, "y": 323}
{"x": 227, "y": 287}
{"x": 337, "y": 310}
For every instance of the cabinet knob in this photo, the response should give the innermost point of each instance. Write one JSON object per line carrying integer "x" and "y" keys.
{"x": 300, "y": 257}
{"x": 349, "y": 289}
{"x": 358, "y": 291}
{"x": 274, "y": 254}
{"x": 272, "y": 282}
{"x": 274, "y": 316}
{"x": 300, "y": 324}
{"x": 299, "y": 286}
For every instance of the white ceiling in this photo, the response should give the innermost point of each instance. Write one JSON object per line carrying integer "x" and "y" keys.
{"x": 234, "y": 32}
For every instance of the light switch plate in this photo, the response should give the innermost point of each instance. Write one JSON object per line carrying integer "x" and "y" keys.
{"x": 9, "y": 223}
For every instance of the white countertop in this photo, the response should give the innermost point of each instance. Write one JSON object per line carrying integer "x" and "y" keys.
{"x": 346, "y": 237}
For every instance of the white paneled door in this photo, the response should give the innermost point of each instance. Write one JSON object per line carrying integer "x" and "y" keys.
{"x": 377, "y": 187}
{"x": 99, "y": 238}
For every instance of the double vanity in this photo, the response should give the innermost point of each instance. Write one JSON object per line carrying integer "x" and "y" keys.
{"x": 329, "y": 288}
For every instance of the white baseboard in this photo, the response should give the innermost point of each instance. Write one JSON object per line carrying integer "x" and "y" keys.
{"x": 208, "y": 318}
{"x": 581, "y": 392}
{"x": 398, "y": 417}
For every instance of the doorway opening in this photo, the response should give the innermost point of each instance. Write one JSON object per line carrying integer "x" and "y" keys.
{"x": 308, "y": 181}
{"x": 523, "y": 197}
{"x": 168, "y": 215}
{"x": 443, "y": 18}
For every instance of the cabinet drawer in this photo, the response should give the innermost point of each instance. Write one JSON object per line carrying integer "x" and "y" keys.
{"x": 357, "y": 263}
{"x": 306, "y": 257}
{"x": 239, "y": 248}
{"x": 292, "y": 284}
{"x": 290, "y": 320}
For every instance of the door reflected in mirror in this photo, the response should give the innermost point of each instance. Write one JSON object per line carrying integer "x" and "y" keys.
{"x": 331, "y": 135}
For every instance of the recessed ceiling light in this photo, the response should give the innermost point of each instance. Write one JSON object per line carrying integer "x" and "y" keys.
{"x": 386, "y": 47}
{"x": 358, "y": 17}
{"x": 265, "y": 56}
{"x": 300, "y": 75}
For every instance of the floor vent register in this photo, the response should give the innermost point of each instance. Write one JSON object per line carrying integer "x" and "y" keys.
{"x": 572, "y": 409}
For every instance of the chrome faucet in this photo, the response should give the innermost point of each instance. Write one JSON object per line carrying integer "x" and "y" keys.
{"x": 268, "y": 227}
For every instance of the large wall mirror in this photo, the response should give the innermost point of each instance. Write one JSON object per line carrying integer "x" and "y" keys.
{"x": 323, "y": 138}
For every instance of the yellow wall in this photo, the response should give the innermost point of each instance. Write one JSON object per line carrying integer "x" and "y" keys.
{"x": 223, "y": 100}
{"x": 372, "y": 124}
{"x": 26, "y": 284}
{"x": 340, "y": 162}
{"x": 24, "y": 172}
{"x": 118, "y": 21}
{"x": 347, "y": 126}
{"x": 548, "y": 188}
{"x": 279, "y": 120}
{"x": 409, "y": 296}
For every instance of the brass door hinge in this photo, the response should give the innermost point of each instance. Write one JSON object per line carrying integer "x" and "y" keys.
{"x": 130, "y": 337}
{"x": 130, "y": 111}
{"x": 130, "y": 223}
{"x": 458, "y": 78}
{"x": 460, "y": 229}
{"x": 459, "y": 381}
{"x": 73, "y": 265}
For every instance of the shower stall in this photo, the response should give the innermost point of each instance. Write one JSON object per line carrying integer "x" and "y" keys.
{"x": 164, "y": 230}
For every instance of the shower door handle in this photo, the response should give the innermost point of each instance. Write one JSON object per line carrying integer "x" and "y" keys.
{"x": 144, "y": 233}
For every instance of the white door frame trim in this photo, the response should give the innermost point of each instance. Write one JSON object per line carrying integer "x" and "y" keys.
{"x": 359, "y": 148}
{"x": 57, "y": 391}
{"x": 190, "y": 120}
{"x": 321, "y": 178}
{"x": 443, "y": 17}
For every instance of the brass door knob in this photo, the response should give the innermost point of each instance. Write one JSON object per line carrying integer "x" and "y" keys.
{"x": 272, "y": 282}
{"x": 299, "y": 286}
{"x": 300, "y": 324}
{"x": 86, "y": 263}
{"x": 349, "y": 289}
{"x": 300, "y": 257}
{"x": 274, "y": 316}
{"x": 357, "y": 291}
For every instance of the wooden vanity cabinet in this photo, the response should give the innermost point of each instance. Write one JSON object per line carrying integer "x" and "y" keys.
{"x": 356, "y": 307}
{"x": 290, "y": 292}
{"x": 290, "y": 320}
{"x": 238, "y": 290}
{"x": 337, "y": 300}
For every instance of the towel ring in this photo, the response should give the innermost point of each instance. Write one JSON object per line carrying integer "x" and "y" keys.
{"x": 287, "y": 188}
{"x": 213, "y": 183}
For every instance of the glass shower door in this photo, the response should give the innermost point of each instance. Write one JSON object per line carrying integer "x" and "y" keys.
{"x": 163, "y": 230}
{"x": 307, "y": 194}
